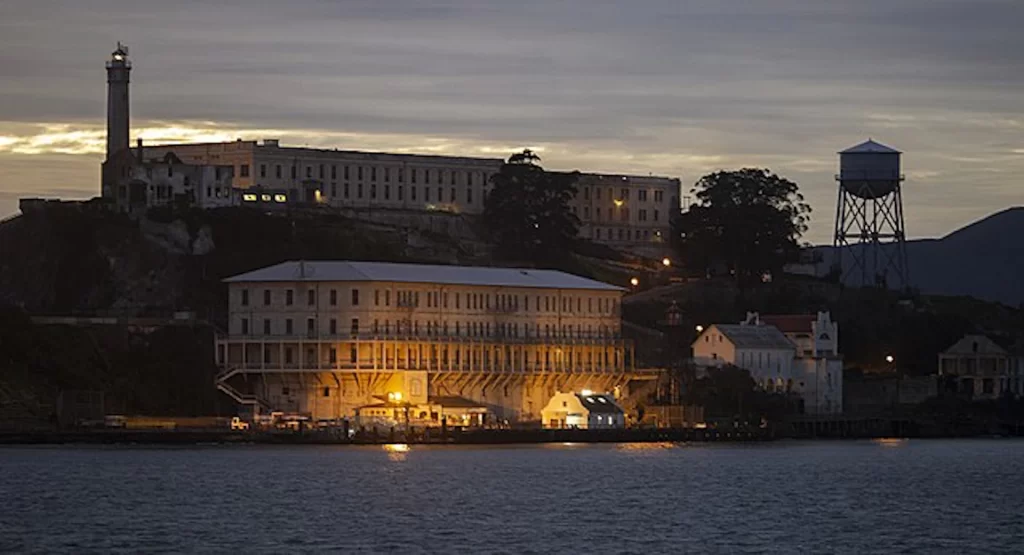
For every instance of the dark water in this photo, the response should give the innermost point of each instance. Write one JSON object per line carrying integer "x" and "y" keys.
{"x": 844, "y": 497}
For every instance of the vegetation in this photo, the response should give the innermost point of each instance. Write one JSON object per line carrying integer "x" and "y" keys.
{"x": 747, "y": 222}
{"x": 527, "y": 212}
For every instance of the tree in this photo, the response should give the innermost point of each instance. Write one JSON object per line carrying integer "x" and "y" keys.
{"x": 748, "y": 221}
{"x": 527, "y": 212}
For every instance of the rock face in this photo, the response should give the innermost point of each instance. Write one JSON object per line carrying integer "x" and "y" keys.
{"x": 63, "y": 260}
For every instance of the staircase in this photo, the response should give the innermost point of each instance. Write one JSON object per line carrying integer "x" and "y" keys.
{"x": 221, "y": 381}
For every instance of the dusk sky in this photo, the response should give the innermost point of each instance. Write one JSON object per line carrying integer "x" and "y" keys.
{"x": 670, "y": 87}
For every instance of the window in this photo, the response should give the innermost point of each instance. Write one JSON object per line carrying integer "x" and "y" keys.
{"x": 288, "y": 327}
{"x": 426, "y": 194}
{"x": 333, "y": 326}
{"x": 401, "y": 175}
{"x": 426, "y": 176}
{"x": 469, "y": 196}
{"x": 453, "y": 194}
{"x": 334, "y": 171}
{"x": 355, "y": 297}
{"x": 266, "y": 326}
{"x": 452, "y": 175}
{"x": 346, "y": 173}
{"x": 625, "y": 194}
{"x": 245, "y": 297}
{"x": 412, "y": 175}
{"x": 359, "y": 190}
{"x": 334, "y": 297}
{"x": 658, "y": 195}
{"x": 387, "y": 174}
{"x": 642, "y": 215}
{"x": 359, "y": 173}
{"x": 266, "y": 297}
{"x": 334, "y": 189}
{"x": 412, "y": 193}
{"x": 401, "y": 192}
{"x": 311, "y": 297}
{"x": 245, "y": 326}
{"x": 387, "y": 192}
{"x": 310, "y": 327}
{"x": 641, "y": 195}
{"x": 263, "y": 170}
{"x": 309, "y": 172}
{"x": 320, "y": 171}
{"x": 655, "y": 215}
{"x": 624, "y": 216}
{"x": 294, "y": 171}
{"x": 277, "y": 171}
{"x": 586, "y": 212}
{"x": 355, "y": 326}
{"x": 289, "y": 297}
{"x": 469, "y": 178}
{"x": 373, "y": 190}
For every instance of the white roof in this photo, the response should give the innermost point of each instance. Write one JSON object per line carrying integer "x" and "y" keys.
{"x": 870, "y": 146}
{"x": 339, "y": 270}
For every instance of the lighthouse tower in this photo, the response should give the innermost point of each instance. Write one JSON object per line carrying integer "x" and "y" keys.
{"x": 118, "y": 68}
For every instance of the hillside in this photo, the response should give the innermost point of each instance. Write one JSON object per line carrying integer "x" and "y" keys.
{"x": 984, "y": 260}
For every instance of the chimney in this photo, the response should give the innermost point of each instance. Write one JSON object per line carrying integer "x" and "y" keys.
{"x": 138, "y": 145}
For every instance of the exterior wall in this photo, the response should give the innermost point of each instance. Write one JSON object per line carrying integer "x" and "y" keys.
{"x": 713, "y": 348}
{"x": 820, "y": 382}
{"x": 630, "y": 212}
{"x": 627, "y": 212}
{"x": 566, "y": 410}
{"x": 506, "y": 348}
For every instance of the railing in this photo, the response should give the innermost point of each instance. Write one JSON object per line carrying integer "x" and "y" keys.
{"x": 583, "y": 339}
{"x": 238, "y": 396}
{"x": 366, "y": 365}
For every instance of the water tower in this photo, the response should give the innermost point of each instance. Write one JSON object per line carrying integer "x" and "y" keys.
{"x": 869, "y": 231}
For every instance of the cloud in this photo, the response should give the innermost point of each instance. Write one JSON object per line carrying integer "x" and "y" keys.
{"x": 661, "y": 86}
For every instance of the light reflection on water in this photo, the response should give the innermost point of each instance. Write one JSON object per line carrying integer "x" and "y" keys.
{"x": 851, "y": 497}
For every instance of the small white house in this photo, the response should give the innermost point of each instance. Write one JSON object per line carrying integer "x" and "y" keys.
{"x": 762, "y": 350}
{"x": 585, "y": 411}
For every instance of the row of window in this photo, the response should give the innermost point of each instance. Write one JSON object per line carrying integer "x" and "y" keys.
{"x": 433, "y": 328}
{"x": 624, "y": 234}
{"x": 623, "y": 214}
{"x": 641, "y": 194}
{"x": 439, "y": 299}
{"x": 371, "y": 173}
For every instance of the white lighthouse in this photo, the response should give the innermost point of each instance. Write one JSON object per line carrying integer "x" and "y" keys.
{"x": 118, "y": 70}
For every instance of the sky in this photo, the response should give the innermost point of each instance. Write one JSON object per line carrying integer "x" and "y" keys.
{"x": 670, "y": 87}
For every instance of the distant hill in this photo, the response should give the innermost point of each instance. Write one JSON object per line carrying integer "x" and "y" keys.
{"x": 984, "y": 260}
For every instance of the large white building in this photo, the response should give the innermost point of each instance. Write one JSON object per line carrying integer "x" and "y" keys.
{"x": 625, "y": 211}
{"x": 331, "y": 338}
{"x": 795, "y": 354}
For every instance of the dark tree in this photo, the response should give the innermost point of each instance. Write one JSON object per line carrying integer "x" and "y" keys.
{"x": 747, "y": 222}
{"x": 527, "y": 212}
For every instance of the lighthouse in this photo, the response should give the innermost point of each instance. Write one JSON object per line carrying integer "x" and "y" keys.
{"x": 118, "y": 69}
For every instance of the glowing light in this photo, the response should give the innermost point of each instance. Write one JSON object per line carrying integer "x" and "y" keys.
{"x": 634, "y": 282}
{"x": 395, "y": 396}
{"x": 397, "y": 447}
{"x": 889, "y": 359}
{"x": 249, "y": 197}
{"x": 619, "y": 203}
{"x": 666, "y": 262}
{"x": 586, "y": 393}
{"x": 699, "y": 328}
{"x": 280, "y": 198}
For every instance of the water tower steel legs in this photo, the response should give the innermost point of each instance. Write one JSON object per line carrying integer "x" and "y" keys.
{"x": 871, "y": 232}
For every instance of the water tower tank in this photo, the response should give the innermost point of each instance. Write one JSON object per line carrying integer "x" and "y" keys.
{"x": 869, "y": 170}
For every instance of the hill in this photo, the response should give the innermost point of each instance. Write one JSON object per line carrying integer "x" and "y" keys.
{"x": 984, "y": 260}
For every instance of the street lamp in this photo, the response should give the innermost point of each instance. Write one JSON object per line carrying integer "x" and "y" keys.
{"x": 634, "y": 281}
{"x": 666, "y": 262}
{"x": 889, "y": 359}
{"x": 699, "y": 328}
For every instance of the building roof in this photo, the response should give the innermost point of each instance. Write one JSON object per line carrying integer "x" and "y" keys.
{"x": 338, "y": 270}
{"x": 870, "y": 147}
{"x": 599, "y": 403}
{"x": 790, "y": 323}
{"x": 975, "y": 345}
{"x": 455, "y": 402}
{"x": 752, "y": 337}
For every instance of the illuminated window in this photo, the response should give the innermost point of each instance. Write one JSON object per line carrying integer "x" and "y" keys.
{"x": 265, "y": 198}
{"x": 249, "y": 197}
{"x": 280, "y": 198}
